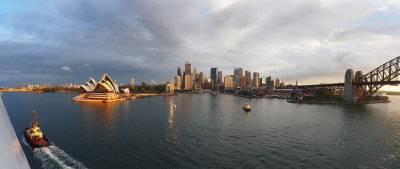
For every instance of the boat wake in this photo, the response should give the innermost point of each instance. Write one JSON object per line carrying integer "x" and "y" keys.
{"x": 54, "y": 157}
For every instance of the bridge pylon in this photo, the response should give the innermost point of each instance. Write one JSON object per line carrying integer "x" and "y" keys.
{"x": 352, "y": 90}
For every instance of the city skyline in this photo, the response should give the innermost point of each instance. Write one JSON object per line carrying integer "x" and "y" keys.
{"x": 311, "y": 42}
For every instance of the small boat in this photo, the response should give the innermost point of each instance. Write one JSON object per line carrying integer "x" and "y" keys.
{"x": 172, "y": 105}
{"x": 34, "y": 135}
{"x": 247, "y": 107}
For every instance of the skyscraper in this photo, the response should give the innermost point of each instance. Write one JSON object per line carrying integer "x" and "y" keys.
{"x": 178, "y": 82}
{"x": 256, "y": 79}
{"x": 213, "y": 76}
{"x": 179, "y": 71}
{"x": 278, "y": 82}
{"x": 132, "y": 82}
{"x": 219, "y": 78}
{"x": 196, "y": 75}
{"x": 237, "y": 76}
{"x": 269, "y": 81}
{"x": 228, "y": 83}
{"x": 188, "y": 81}
{"x": 248, "y": 79}
{"x": 188, "y": 68}
{"x": 201, "y": 79}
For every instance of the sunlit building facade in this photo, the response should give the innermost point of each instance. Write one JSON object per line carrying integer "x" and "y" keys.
{"x": 105, "y": 90}
{"x": 188, "y": 82}
{"x": 178, "y": 82}
{"x": 256, "y": 79}
{"x": 229, "y": 83}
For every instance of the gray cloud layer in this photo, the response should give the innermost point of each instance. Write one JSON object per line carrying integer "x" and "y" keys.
{"x": 68, "y": 41}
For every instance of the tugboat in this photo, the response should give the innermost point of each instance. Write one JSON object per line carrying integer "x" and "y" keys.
{"x": 34, "y": 135}
{"x": 247, "y": 107}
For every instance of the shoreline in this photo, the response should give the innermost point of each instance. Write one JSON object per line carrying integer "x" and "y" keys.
{"x": 321, "y": 102}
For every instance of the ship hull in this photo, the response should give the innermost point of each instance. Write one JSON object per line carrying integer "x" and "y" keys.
{"x": 246, "y": 109}
{"x": 44, "y": 142}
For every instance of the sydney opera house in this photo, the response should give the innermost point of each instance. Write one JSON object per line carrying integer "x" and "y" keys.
{"x": 106, "y": 90}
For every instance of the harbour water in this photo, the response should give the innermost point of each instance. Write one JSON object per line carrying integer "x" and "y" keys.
{"x": 208, "y": 131}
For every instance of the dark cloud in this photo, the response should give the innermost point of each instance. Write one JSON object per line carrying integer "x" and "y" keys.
{"x": 67, "y": 41}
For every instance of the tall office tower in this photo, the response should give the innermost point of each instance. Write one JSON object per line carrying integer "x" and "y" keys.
{"x": 278, "y": 83}
{"x": 219, "y": 78}
{"x": 256, "y": 79}
{"x": 273, "y": 83}
{"x": 248, "y": 79}
{"x": 228, "y": 83}
{"x": 237, "y": 76}
{"x": 132, "y": 82}
{"x": 262, "y": 81}
{"x": 188, "y": 82}
{"x": 213, "y": 76}
{"x": 201, "y": 79}
{"x": 179, "y": 71}
{"x": 269, "y": 81}
{"x": 178, "y": 82}
{"x": 188, "y": 68}
{"x": 196, "y": 75}
{"x": 242, "y": 82}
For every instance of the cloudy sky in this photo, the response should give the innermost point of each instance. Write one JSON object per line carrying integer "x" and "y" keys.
{"x": 312, "y": 41}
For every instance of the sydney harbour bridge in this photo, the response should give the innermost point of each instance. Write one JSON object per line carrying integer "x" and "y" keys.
{"x": 358, "y": 86}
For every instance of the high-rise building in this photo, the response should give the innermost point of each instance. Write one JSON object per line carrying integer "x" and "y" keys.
{"x": 188, "y": 68}
{"x": 242, "y": 82}
{"x": 247, "y": 79}
{"x": 269, "y": 81}
{"x": 213, "y": 76}
{"x": 196, "y": 71}
{"x": 277, "y": 83}
{"x": 237, "y": 76}
{"x": 229, "y": 83}
{"x": 219, "y": 78}
{"x": 178, "y": 82}
{"x": 256, "y": 79}
{"x": 179, "y": 71}
{"x": 132, "y": 82}
{"x": 188, "y": 81}
{"x": 201, "y": 79}
{"x": 262, "y": 81}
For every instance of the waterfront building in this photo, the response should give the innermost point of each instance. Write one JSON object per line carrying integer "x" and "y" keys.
{"x": 247, "y": 79}
{"x": 178, "y": 82}
{"x": 170, "y": 87}
{"x": 238, "y": 75}
{"x": 188, "y": 82}
{"x": 229, "y": 83}
{"x": 188, "y": 68}
{"x": 219, "y": 78}
{"x": 213, "y": 77}
{"x": 105, "y": 90}
{"x": 256, "y": 79}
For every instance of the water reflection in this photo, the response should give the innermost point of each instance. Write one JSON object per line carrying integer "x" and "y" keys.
{"x": 104, "y": 112}
{"x": 171, "y": 135}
